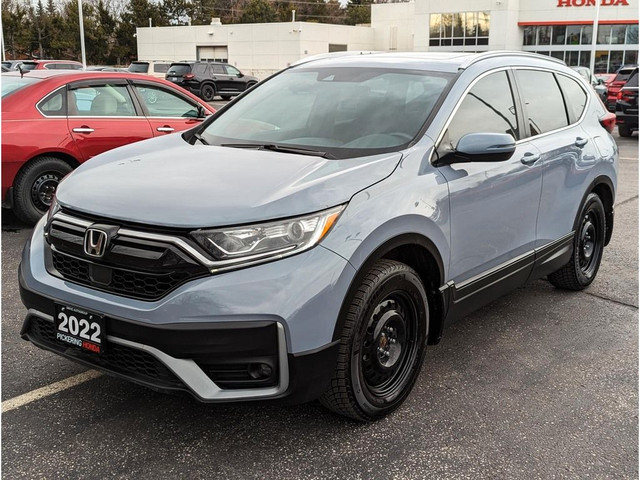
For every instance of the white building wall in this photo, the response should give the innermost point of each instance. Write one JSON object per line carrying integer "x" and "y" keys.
{"x": 393, "y": 25}
{"x": 256, "y": 49}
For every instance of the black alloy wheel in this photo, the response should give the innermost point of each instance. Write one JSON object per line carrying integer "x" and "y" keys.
{"x": 382, "y": 344}
{"x": 588, "y": 247}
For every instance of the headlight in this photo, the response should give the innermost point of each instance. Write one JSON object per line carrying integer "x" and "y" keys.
{"x": 249, "y": 243}
{"x": 53, "y": 208}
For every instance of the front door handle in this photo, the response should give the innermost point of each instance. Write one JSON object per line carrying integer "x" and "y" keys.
{"x": 83, "y": 129}
{"x": 530, "y": 158}
{"x": 581, "y": 142}
{"x": 166, "y": 128}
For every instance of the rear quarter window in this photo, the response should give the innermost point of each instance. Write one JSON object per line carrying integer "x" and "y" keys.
{"x": 574, "y": 96}
{"x": 545, "y": 108}
{"x": 633, "y": 80}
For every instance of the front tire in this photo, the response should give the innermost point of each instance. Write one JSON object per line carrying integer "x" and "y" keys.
{"x": 588, "y": 247}
{"x": 35, "y": 187}
{"x": 382, "y": 345}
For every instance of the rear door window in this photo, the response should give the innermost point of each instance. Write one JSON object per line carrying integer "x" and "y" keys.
{"x": 487, "y": 108}
{"x": 544, "y": 105}
{"x": 218, "y": 69}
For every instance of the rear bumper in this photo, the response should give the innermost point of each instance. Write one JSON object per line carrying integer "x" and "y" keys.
{"x": 629, "y": 120}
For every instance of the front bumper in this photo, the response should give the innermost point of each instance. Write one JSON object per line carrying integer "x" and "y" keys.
{"x": 207, "y": 336}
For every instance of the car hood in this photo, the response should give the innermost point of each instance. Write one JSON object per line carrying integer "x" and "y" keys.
{"x": 168, "y": 182}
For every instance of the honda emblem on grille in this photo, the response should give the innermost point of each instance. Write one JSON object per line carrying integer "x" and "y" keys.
{"x": 95, "y": 242}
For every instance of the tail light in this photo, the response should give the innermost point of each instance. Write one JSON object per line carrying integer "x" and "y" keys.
{"x": 625, "y": 96}
{"x": 188, "y": 76}
{"x": 608, "y": 121}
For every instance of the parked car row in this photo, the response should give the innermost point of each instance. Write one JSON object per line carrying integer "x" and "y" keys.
{"x": 52, "y": 121}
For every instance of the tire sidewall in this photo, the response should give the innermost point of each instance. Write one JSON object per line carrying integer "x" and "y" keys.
{"x": 208, "y": 88}
{"x": 24, "y": 206}
{"x": 592, "y": 204}
{"x": 408, "y": 282}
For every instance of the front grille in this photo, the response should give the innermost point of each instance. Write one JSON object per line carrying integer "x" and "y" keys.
{"x": 142, "y": 285}
{"x": 131, "y": 267}
{"x": 117, "y": 358}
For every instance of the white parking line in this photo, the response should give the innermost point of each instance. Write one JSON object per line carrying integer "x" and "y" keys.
{"x": 627, "y": 158}
{"x": 32, "y": 396}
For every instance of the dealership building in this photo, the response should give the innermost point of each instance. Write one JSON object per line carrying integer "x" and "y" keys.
{"x": 563, "y": 29}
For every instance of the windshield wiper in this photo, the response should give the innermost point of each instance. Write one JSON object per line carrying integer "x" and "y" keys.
{"x": 280, "y": 148}
{"x": 201, "y": 138}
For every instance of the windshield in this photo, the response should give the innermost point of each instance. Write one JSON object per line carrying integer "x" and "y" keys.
{"x": 28, "y": 66}
{"x": 179, "y": 70}
{"x": 13, "y": 84}
{"x": 623, "y": 75}
{"x": 343, "y": 110}
{"x": 139, "y": 67}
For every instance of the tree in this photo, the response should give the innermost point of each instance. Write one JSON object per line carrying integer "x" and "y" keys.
{"x": 136, "y": 14}
{"x": 358, "y": 11}
{"x": 259, "y": 11}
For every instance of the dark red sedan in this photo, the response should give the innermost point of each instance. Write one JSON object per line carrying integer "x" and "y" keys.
{"x": 52, "y": 121}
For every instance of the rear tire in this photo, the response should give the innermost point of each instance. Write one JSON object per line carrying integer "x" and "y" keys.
{"x": 382, "y": 344}
{"x": 588, "y": 247}
{"x": 207, "y": 92}
{"x": 624, "y": 131}
{"x": 35, "y": 186}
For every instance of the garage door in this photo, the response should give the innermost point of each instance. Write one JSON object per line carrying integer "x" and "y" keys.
{"x": 213, "y": 54}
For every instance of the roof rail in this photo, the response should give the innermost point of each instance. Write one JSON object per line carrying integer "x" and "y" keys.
{"x": 320, "y": 56}
{"x": 500, "y": 53}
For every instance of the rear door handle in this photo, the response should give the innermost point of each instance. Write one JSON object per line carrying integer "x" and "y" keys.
{"x": 83, "y": 129}
{"x": 581, "y": 142}
{"x": 530, "y": 158}
{"x": 166, "y": 128}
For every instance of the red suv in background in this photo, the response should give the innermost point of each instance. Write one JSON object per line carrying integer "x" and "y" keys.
{"x": 52, "y": 121}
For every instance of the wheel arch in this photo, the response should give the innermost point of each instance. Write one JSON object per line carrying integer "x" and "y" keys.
{"x": 65, "y": 157}
{"x": 603, "y": 187}
{"x": 419, "y": 253}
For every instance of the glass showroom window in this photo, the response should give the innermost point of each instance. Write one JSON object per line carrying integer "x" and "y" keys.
{"x": 570, "y": 42}
{"x": 459, "y": 29}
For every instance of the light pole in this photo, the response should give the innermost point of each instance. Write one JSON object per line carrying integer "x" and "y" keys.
{"x": 594, "y": 39}
{"x": 84, "y": 56}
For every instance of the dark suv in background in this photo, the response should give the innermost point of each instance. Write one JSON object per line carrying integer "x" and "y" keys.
{"x": 208, "y": 79}
{"x": 627, "y": 106}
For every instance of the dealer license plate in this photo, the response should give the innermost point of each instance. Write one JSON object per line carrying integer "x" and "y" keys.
{"x": 80, "y": 328}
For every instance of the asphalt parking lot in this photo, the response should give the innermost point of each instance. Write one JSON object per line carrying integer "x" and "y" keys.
{"x": 541, "y": 384}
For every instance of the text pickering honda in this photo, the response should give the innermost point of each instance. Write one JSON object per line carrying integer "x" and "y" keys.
{"x": 316, "y": 234}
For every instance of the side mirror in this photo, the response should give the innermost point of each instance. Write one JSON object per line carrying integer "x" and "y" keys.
{"x": 240, "y": 75}
{"x": 481, "y": 147}
{"x": 202, "y": 113}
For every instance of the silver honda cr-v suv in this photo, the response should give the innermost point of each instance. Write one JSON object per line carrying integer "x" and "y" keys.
{"x": 317, "y": 233}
